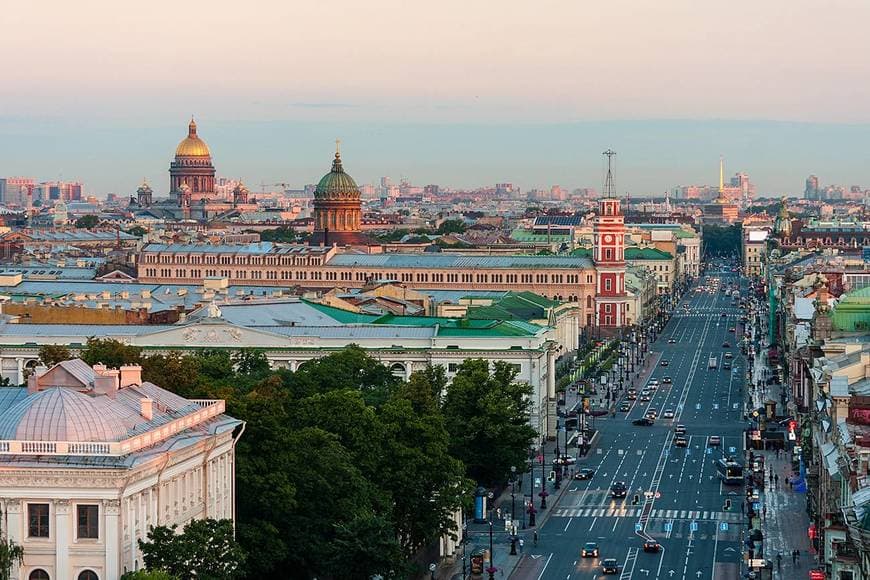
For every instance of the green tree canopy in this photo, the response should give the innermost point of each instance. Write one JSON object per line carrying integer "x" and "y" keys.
{"x": 110, "y": 352}
{"x": 51, "y": 354}
{"x": 456, "y": 226}
{"x": 722, "y": 240}
{"x": 487, "y": 415}
{"x": 205, "y": 549}
{"x": 87, "y": 221}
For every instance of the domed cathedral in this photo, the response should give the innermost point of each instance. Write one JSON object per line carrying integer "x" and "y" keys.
{"x": 337, "y": 209}
{"x": 192, "y": 166}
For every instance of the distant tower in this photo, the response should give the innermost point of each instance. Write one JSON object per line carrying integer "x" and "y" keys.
{"x": 608, "y": 255}
{"x": 144, "y": 194}
{"x": 721, "y": 174}
{"x": 812, "y": 187}
{"x": 240, "y": 194}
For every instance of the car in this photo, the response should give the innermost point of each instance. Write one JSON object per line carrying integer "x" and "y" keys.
{"x": 584, "y": 473}
{"x": 632, "y": 391}
{"x": 566, "y": 460}
{"x": 714, "y": 441}
{"x": 732, "y": 329}
{"x": 618, "y": 489}
{"x": 667, "y": 381}
{"x": 590, "y": 550}
{"x": 652, "y": 546}
{"x": 625, "y": 407}
{"x": 644, "y": 398}
{"x": 668, "y": 414}
{"x": 726, "y": 344}
{"x": 652, "y": 413}
{"x": 664, "y": 363}
{"x": 729, "y": 355}
{"x": 681, "y": 441}
{"x": 672, "y": 340}
{"x": 643, "y": 422}
{"x": 653, "y": 386}
{"x": 726, "y": 365}
{"x": 610, "y": 566}
{"x": 645, "y": 392}
{"x": 652, "y": 383}
{"x": 680, "y": 429}
{"x": 631, "y": 396}
{"x": 723, "y": 315}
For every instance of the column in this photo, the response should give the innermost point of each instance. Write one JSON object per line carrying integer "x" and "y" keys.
{"x": 14, "y": 530}
{"x": 551, "y": 373}
{"x": 20, "y": 375}
{"x": 62, "y": 538}
{"x": 111, "y": 537}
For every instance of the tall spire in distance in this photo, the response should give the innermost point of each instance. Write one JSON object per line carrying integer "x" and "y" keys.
{"x": 721, "y": 174}
{"x": 608, "y": 181}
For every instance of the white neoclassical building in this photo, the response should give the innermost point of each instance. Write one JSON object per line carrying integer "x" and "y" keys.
{"x": 291, "y": 332}
{"x": 91, "y": 457}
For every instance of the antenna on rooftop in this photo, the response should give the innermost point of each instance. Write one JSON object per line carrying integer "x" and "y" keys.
{"x": 608, "y": 181}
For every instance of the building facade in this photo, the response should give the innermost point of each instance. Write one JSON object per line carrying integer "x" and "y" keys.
{"x": 92, "y": 457}
{"x": 609, "y": 259}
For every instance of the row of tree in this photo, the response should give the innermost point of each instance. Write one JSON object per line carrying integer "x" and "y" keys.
{"x": 344, "y": 470}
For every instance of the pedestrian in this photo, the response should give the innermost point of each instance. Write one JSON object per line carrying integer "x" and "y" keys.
{"x": 794, "y": 557}
{"x": 779, "y": 561}
{"x": 498, "y": 513}
{"x": 535, "y": 537}
{"x": 522, "y": 543}
{"x": 764, "y": 513}
{"x": 776, "y": 480}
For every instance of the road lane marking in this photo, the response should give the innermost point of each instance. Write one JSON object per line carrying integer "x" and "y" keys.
{"x": 568, "y": 524}
{"x": 547, "y": 563}
{"x": 592, "y": 525}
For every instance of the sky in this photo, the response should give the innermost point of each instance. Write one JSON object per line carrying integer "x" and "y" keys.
{"x": 452, "y": 92}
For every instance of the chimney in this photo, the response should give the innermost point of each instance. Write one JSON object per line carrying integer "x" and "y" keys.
{"x": 106, "y": 383}
{"x": 33, "y": 379}
{"x": 146, "y": 406}
{"x": 130, "y": 375}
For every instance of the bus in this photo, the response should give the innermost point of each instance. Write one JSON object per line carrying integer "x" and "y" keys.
{"x": 729, "y": 471}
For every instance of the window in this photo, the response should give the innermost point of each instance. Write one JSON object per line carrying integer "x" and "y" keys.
{"x": 88, "y": 575}
{"x": 37, "y": 517}
{"x": 38, "y": 574}
{"x": 607, "y": 284}
{"x": 452, "y": 367}
{"x": 87, "y": 516}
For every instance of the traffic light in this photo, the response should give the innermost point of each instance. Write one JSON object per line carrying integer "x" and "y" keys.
{"x": 727, "y": 504}
{"x": 635, "y": 500}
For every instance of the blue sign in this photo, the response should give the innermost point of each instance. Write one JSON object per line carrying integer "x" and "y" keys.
{"x": 709, "y": 451}
{"x": 723, "y": 526}
{"x": 669, "y": 526}
{"x": 865, "y": 253}
{"x": 693, "y": 526}
{"x": 756, "y": 505}
{"x": 637, "y": 527}
{"x": 732, "y": 450}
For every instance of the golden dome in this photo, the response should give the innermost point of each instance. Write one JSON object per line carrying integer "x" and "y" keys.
{"x": 192, "y": 146}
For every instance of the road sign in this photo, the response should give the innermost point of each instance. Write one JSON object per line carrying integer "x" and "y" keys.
{"x": 637, "y": 527}
{"x": 693, "y": 526}
{"x": 732, "y": 450}
{"x": 723, "y": 526}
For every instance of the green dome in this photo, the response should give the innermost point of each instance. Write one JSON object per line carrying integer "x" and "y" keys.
{"x": 336, "y": 183}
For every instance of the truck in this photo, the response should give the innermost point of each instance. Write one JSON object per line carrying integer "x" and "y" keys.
{"x": 713, "y": 362}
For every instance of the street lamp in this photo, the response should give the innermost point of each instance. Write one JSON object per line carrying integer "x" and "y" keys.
{"x": 492, "y": 569}
{"x": 513, "y": 497}
{"x": 543, "y": 493}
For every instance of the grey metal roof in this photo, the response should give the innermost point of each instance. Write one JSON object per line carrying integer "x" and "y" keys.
{"x": 357, "y": 331}
{"x": 432, "y": 261}
{"x": 252, "y": 248}
{"x": 62, "y": 414}
{"x": 79, "y": 331}
{"x": 284, "y": 312}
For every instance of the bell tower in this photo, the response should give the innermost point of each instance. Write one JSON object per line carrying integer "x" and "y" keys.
{"x": 608, "y": 255}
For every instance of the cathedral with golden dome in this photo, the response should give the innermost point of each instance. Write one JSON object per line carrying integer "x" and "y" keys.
{"x": 192, "y": 167}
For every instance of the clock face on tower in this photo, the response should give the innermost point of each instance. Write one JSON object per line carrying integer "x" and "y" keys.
{"x": 608, "y": 238}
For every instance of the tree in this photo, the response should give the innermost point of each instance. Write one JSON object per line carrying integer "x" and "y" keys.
{"x": 176, "y": 372}
{"x": 425, "y": 388}
{"x": 87, "y": 222}
{"x": 351, "y": 368}
{"x": 51, "y": 354}
{"x": 252, "y": 362}
{"x": 110, "y": 352}
{"x": 487, "y": 416}
{"x": 205, "y": 549}
{"x": 11, "y": 557}
{"x": 722, "y": 240}
{"x": 456, "y": 226}
{"x": 148, "y": 575}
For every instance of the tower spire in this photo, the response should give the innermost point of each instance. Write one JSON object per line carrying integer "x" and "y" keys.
{"x": 721, "y": 174}
{"x": 608, "y": 181}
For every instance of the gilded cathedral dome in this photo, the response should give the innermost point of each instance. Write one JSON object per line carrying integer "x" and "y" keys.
{"x": 192, "y": 145}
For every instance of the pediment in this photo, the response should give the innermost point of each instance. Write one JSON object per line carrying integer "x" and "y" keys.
{"x": 215, "y": 335}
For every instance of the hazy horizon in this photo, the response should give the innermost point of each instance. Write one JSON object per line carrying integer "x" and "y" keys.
{"x": 455, "y": 93}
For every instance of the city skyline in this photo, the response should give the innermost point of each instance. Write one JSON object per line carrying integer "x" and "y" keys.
{"x": 532, "y": 95}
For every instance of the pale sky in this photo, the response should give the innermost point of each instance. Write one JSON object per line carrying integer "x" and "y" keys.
{"x": 86, "y": 74}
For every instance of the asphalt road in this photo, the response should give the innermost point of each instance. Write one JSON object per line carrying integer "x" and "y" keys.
{"x": 681, "y": 502}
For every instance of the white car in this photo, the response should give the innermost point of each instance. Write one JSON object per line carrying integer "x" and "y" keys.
{"x": 668, "y": 414}
{"x": 653, "y": 383}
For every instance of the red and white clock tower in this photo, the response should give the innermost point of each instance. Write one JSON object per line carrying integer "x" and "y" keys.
{"x": 608, "y": 255}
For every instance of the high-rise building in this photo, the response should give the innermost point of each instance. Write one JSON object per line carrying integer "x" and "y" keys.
{"x": 14, "y": 190}
{"x": 811, "y": 191}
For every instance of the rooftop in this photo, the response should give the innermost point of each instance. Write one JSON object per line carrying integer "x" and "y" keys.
{"x": 447, "y": 261}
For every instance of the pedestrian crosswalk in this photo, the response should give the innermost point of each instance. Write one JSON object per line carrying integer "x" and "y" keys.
{"x": 656, "y": 514}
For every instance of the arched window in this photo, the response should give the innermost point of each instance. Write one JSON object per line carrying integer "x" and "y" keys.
{"x": 398, "y": 370}
{"x": 39, "y": 574}
{"x": 589, "y": 301}
{"x": 88, "y": 575}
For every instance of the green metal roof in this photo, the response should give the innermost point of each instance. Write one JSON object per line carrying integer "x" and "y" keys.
{"x": 336, "y": 183}
{"x": 464, "y": 326}
{"x": 522, "y": 235}
{"x": 852, "y": 312}
{"x": 634, "y": 253}
{"x": 515, "y": 306}
{"x": 343, "y": 316}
